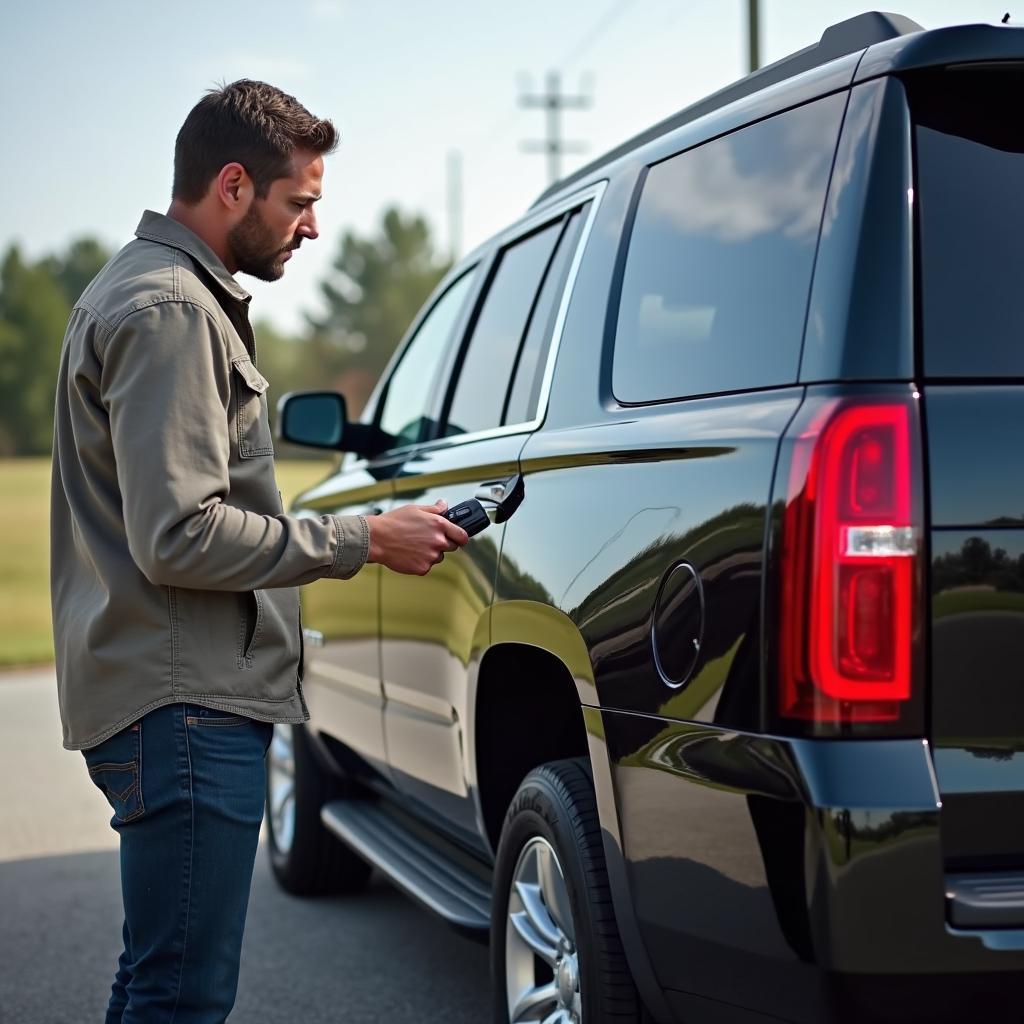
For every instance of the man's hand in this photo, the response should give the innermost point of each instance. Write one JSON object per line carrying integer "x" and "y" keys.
{"x": 413, "y": 538}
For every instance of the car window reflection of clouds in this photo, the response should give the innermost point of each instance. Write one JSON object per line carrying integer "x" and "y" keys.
{"x": 763, "y": 180}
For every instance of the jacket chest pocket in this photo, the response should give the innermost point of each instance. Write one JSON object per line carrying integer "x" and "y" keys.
{"x": 251, "y": 419}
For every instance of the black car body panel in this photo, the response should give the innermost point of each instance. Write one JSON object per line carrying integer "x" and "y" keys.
{"x": 434, "y": 631}
{"x": 860, "y": 321}
{"x": 655, "y": 504}
{"x": 342, "y": 681}
{"x": 977, "y": 633}
{"x": 941, "y": 47}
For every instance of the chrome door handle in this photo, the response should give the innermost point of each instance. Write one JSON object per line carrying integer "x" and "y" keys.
{"x": 313, "y": 637}
{"x": 491, "y": 492}
{"x": 507, "y": 495}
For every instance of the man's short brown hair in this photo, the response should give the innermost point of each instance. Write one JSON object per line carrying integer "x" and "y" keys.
{"x": 248, "y": 122}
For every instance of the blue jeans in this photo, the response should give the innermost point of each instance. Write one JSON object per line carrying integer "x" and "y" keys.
{"x": 186, "y": 784}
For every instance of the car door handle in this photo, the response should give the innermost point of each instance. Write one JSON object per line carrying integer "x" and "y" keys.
{"x": 492, "y": 492}
{"x": 507, "y": 495}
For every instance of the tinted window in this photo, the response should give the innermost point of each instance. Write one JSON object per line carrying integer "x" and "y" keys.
{"x": 529, "y": 370}
{"x": 412, "y": 390}
{"x": 970, "y": 180}
{"x": 720, "y": 258}
{"x": 486, "y": 370}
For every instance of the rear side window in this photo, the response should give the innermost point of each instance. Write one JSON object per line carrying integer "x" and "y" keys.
{"x": 487, "y": 364}
{"x": 718, "y": 271}
{"x": 524, "y": 394}
{"x": 970, "y": 184}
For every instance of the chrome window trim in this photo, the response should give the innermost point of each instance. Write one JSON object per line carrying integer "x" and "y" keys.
{"x": 537, "y": 218}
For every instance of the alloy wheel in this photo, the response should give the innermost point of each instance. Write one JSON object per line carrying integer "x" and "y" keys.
{"x": 541, "y": 959}
{"x": 281, "y": 788}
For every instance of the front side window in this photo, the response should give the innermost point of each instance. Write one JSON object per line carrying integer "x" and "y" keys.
{"x": 718, "y": 271}
{"x": 487, "y": 365}
{"x": 412, "y": 390}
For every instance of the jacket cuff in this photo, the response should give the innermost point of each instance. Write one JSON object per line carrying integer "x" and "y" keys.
{"x": 353, "y": 546}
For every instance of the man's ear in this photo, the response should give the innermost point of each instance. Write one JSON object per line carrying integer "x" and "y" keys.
{"x": 234, "y": 187}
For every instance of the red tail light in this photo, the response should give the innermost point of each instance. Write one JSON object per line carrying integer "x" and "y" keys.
{"x": 850, "y": 563}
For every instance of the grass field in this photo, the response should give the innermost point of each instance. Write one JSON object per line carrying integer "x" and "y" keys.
{"x": 25, "y": 630}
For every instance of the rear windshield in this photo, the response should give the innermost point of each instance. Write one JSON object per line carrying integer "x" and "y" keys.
{"x": 970, "y": 196}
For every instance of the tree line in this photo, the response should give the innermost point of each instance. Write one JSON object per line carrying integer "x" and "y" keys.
{"x": 378, "y": 284}
{"x": 978, "y": 564}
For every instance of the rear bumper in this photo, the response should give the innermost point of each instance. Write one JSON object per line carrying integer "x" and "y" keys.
{"x": 787, "y": 876}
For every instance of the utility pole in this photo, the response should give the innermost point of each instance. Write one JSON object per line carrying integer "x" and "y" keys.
{"x": 753, "y": 35}
{"x": 454, "y": 203}
{"x": 554, "y": 102}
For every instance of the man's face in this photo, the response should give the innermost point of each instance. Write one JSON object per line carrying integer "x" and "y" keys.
{"x": 263, "y": 240}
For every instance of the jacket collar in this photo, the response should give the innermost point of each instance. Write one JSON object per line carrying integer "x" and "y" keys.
{"x": 158, "y": 228}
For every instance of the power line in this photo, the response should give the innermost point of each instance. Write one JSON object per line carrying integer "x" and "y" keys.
{"x": 504, "y": 125}
{"x": 553, "y": 101}
{"x": 599, "y": 28}
{"x": 617, "y": 9}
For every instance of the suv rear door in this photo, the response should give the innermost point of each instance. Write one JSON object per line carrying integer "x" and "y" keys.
{"x": 435, "y": 628}
{"x": 648, "y": 490}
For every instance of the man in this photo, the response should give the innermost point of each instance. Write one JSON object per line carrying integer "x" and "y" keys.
{"x": 173, "y": 573}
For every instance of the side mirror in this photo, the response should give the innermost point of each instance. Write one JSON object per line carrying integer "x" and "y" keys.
{"x": 318, "y": 419}
{"x": 315, "y": 419}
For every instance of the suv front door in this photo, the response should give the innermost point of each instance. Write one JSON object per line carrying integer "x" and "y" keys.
{"x": 343, "y": 680}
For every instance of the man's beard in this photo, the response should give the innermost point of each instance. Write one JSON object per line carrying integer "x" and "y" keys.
{"x": 254, "y": 247}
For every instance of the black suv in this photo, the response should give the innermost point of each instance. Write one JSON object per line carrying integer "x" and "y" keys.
{"x": 722, "y": 718}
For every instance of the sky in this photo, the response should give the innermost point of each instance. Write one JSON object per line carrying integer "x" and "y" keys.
{"x": 95, "y": 91}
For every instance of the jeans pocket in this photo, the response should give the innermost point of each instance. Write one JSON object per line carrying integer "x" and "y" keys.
{"x": 115, "y": 769}
{"x": 200, "y": 715}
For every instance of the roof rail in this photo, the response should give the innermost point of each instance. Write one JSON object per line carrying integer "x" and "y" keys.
{"x": 838, "y": 40}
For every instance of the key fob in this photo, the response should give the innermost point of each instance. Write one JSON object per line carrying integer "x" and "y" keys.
{"x": 470, "y": 515}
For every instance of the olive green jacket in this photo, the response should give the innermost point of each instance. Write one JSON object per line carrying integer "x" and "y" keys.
{"x": 173, "y": 568}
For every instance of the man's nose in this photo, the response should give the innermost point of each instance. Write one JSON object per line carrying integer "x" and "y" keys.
{"x": 308, "y": 226}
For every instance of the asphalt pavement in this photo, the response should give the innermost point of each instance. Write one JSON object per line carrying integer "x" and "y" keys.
{"x": 375, "y": 957}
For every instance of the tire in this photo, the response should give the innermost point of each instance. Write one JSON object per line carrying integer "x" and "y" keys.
{"x": 553, "y": 822}
{"x": 306, "y": 859}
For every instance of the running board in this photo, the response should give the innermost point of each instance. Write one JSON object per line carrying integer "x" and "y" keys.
{"x": 436, "y": 881}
